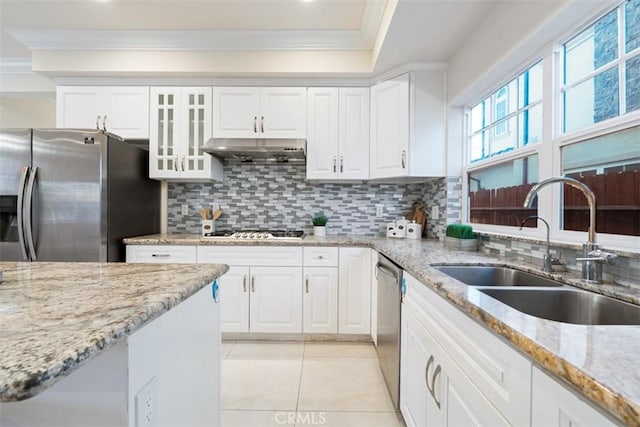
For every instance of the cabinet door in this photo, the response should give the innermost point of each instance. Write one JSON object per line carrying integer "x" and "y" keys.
{"x": 390, "y": 128}
{"x": 275, "y": 301}
{"x": 283, "y": 112}
{"x": 320, "y": 300}
{"x": 164, "y": 150}
{"x": 78, "y": 107}
{"x": 195, "y": 111}
{"x": 127, "y": 111}
{"x": 322, "y": 133}
{"x": 353, "y": 153}
{"x": 414, "y": 392}
{"x": 234, "y": 300}
{"x": 354, "y": 294}
{"x": 553, "y": 405}
{"x": 236, "y": 112}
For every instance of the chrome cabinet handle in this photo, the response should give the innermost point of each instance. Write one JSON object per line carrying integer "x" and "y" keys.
{"x": 262, "y": 124}
{"x": 341, "y": 164}
{"x": 244, "y": 283}
{"x": 335, "y": 165}
{"x": 28, "y": 213}
{"x": 175, "y": 163}
{"x": 426, "y": 373}
{"x": 182, "y": 163}
{"x": 255, "y": 124}
{"x": 104, "y": 123}
{"x": 98, "y": 122}
{"x": 24, "y": 173}
{"x": 320, "y": 257}
{"x": 253, "y": 283}
{"x": 161, "y": 255}
{"x": 306, "y": 284}
{"x": 404, "y": 159}
{"x": 433, "y": 384}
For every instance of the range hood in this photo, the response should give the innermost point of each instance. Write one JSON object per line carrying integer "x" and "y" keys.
{"x": 234, "y": 150}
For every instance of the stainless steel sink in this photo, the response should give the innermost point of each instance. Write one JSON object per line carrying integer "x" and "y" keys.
{"x": 568, "y": 305}
{"x": 475, "y": 275}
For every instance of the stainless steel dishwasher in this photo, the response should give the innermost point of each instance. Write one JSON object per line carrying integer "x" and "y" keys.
{"x": 389, "y": 276}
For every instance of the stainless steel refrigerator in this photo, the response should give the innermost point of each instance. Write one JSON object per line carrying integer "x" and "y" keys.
{"x": 73, "y": 195}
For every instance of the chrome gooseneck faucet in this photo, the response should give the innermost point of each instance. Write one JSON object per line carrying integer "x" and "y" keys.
{"x": 594, "y": 256}
{"x": 547, "y": 262}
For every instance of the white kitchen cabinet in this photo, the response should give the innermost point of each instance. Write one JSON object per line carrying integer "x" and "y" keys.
{"x": 320, "y": 300}
{"x": 338, "y": 133}
{"x": 407, "y": 137}
{"x": 554, "y": 405}
{"x": 480, "y": 380}
{"x": 234, "y": 299}
{"x": 354, "y": 293}
{"x": 123, "y": 111}
{"x": 262, "y": 292}
{"x": 180, "y": 125}
{"x": 161, "y": 254}
{"x": 252, "y": 112}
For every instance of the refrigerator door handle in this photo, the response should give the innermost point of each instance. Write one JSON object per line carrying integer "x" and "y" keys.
{"x": 24, "y": 174}
{"x": 27, "y": 213}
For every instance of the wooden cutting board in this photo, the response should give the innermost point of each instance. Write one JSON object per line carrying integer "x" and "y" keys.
{"x": 418, "y": 215}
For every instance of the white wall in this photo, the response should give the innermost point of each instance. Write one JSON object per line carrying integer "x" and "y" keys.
{"x": 24, "y": 112}
{"x": 509, "y": 37}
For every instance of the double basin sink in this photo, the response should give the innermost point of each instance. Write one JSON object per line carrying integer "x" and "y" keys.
{"x": 542, "y": 297}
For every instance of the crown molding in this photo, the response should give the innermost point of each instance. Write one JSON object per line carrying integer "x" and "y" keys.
{"x": 407, "y": 68}
{"x": 15, "y": 65}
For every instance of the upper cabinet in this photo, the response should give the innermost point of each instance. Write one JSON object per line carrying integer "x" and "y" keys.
{"x": 180, "y": 125}
{"x": 123, "y": 111}
{"x": 251, "y": 112}
{"x": 338, "y": 133}
{"x": 407, "y": 126}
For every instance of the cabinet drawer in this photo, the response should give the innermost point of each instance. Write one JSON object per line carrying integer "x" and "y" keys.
{"x": 501, "y": 373}
{"x": 320, "y": 257}
{"x": 162, "y": 254}
{"x": 282, "y": 256}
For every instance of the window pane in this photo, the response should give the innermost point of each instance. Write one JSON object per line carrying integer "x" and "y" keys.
{"x": 476, "y": 118}
{"x": 530, "y": 86}
{"x": 530, "y": 126}
{"x": 503, "y": 136}
{"x": 632, "y": 20}
{"x": 592, "y": 101}
{"x": 610, "y": 166}
{"x": 496, "y": 194}
{"x": 476, "y": 148}
{"x": 632, "y": 81}
{"x": 594, "y": 47}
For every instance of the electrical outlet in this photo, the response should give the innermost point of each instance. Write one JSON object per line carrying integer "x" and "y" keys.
{"x": 146, "y": 405}
{"x": 379, "y": 210}
{"x": 185, "y": 209}
{"x": 435, "y": 212}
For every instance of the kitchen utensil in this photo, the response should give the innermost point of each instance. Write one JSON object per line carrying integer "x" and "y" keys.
{"x": 418, "y": 215}
{"x": 205, "y": 213}
{"x": 217, "y": 214}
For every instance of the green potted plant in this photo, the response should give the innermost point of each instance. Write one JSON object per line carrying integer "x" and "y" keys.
{"x": 460, "y": 237}
{"x": 319, "y": 225}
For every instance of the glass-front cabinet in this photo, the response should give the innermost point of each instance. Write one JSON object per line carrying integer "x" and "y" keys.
{"x": 180, "y": 125}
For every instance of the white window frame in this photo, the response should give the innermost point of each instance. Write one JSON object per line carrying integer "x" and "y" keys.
{"x": 549, "y": 149}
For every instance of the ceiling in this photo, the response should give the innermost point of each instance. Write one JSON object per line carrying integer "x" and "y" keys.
{"x": 338, "y": 38}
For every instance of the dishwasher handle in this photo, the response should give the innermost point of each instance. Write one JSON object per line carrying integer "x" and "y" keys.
{"x": 389, "y": 272}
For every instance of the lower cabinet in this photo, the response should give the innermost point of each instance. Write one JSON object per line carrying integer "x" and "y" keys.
{"x": 275, "y": 299}
{"x": 162, "y": 254}
{"x": 354, "y": 294}
{"x": 453, "y": 373}
{"x": 320, "y": 300}
{"x": 553, "y": 405}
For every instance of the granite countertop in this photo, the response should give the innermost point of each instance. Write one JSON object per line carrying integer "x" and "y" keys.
{"x": 600, "y": 362}
{"x": 54, "y": 317}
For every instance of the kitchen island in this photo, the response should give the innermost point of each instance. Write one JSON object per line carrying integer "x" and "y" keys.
{"x": 596, "y": 362}
{"x": 81, "y": 341}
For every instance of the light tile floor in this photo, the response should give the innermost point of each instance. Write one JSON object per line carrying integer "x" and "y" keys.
{"x": 303, "y": 384}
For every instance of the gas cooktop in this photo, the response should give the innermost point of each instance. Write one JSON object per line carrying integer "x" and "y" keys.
{"x": 257, "y": 235}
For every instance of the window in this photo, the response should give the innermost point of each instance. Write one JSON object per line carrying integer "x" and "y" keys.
{"x": 496, "y": 194}
{"x": 509, "y": 118}
{"x": 602, "y": 69}
{"x": 610, "y": 166}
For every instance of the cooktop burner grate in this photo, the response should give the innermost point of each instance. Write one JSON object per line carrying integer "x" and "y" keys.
{"x": 256, "y": 234}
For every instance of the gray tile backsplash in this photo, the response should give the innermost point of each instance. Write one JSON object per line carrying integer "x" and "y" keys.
{"x": 279, "y": 197}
